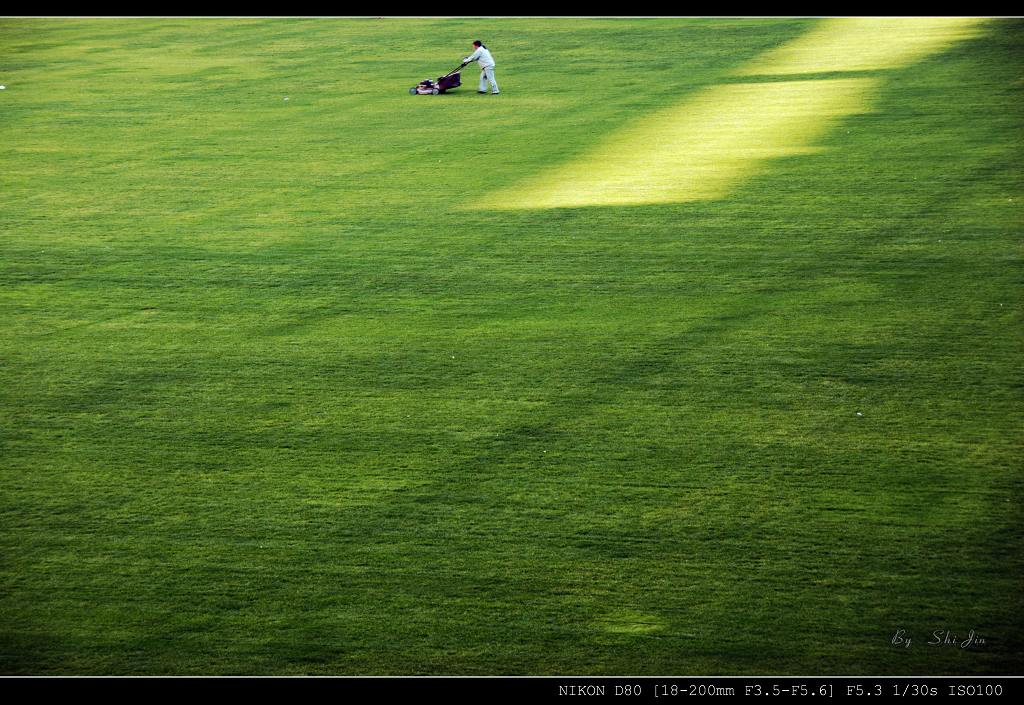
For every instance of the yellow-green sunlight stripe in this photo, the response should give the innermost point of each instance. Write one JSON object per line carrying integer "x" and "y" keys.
{"x": 699, "y": 151}
{"x": 863, "y": 44}
{"x": 724, "y": 134}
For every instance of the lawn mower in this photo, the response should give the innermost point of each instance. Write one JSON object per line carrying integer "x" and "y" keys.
{"x": 444, "y": 83}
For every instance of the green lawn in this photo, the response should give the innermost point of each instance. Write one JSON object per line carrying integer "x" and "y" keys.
{"x": 276, "y": 397}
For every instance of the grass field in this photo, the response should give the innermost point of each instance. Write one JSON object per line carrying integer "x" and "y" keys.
{"x": 696, "y": 351}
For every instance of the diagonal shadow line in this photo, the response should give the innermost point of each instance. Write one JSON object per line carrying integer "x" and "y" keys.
{"x": 473, "y": 484}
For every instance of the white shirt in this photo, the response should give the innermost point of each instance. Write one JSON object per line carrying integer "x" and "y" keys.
{"x": 483, "y": 56}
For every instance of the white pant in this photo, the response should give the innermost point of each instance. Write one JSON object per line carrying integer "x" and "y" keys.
{"x": 487, "y": 75}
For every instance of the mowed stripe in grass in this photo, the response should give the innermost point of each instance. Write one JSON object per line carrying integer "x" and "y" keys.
{"x": 290, "y": 411}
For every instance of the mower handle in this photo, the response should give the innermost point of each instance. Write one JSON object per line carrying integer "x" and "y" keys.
{"x": 455, "y": 69}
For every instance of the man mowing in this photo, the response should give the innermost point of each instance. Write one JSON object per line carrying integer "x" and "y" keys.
{"x": 486, "y": 67}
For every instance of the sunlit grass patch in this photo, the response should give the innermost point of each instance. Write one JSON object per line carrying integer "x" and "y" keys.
{"x": 631, "y": 622}
{"x": 700, "y": 150}
{"x": 864, "y": 44}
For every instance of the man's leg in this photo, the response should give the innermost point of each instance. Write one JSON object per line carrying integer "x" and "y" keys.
{"x": 483, "y": 81}
{"x": 490, "y": 77}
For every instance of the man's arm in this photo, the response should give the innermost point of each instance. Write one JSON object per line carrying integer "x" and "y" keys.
{"x": 472, "y": 57}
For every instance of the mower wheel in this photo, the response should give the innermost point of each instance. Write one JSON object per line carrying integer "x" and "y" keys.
{"x": 435, "y": 91}
{"x": 412, "y": 91}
